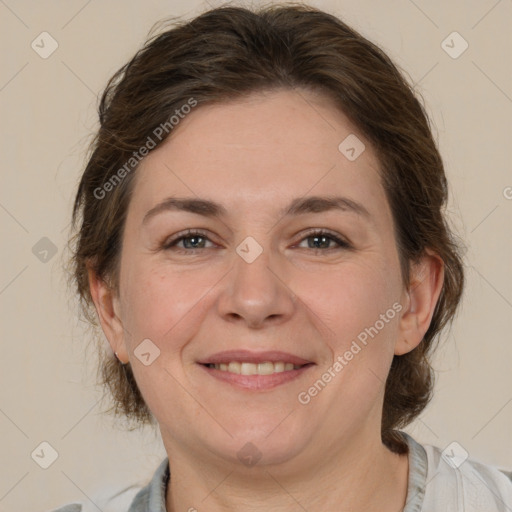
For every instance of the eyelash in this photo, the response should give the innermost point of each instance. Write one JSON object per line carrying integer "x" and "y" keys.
{"x": 170, "y": 244}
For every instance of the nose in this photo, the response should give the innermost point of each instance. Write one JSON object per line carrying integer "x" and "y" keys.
{"x": 257, "y": 293}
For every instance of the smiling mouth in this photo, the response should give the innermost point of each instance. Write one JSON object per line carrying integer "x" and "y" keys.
{"x": 265, "y": 368}
{"x": 255, "y": 377}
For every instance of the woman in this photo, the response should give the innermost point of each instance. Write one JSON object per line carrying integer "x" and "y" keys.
{"x": 260, "y": 232}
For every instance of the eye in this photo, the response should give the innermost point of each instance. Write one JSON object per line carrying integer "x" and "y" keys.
{"x": 192, "y": 240}
{"x": 321, "y": 241}
{"x": 195, "y": 240}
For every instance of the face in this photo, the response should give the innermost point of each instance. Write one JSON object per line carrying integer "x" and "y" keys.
{"x": 319, "y": 283}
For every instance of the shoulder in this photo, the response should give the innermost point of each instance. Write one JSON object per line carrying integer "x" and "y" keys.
{"x": 112, "y": 503}
{"x": 71, "y": 507}
{"x": 133, "y": 499}
{"x": 470, "y": 485}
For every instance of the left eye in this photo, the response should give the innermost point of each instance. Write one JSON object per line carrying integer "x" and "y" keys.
{"x": 323, "y": 238}
{"x": 193, "y": 240}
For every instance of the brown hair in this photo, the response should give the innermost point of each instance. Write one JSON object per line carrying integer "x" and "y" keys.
{"x": 228, "y": 53}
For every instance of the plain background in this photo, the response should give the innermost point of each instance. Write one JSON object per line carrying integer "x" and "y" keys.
{"x": 48, "y": 113}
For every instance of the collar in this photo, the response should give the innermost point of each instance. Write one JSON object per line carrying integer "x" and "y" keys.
{"x": 152, "y": 497}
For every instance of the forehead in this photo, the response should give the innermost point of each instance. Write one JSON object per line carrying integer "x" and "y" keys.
{"x": 265, "y": 147}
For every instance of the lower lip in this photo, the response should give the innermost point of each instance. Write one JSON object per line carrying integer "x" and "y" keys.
{"x": 257, "y": 382}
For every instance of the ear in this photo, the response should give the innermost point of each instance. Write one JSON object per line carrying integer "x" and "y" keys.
{"x": 419, "y": 300}
{"x": 107, "y": 306}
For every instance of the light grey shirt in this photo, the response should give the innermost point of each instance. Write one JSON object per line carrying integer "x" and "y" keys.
{"x": 437, "y": 481}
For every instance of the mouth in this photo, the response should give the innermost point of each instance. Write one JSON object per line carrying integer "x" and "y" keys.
{"x": 264, "y": 368}
{"x": 255, "y": 371}
{"x": 246, "y": 356}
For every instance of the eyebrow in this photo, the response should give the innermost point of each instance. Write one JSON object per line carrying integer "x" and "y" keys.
{"x": 298, "y": 206}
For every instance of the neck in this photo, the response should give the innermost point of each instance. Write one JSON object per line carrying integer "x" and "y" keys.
{"x": 361, "y": 475}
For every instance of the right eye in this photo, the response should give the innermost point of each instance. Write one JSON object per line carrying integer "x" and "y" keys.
{"x": 193, "y": 240}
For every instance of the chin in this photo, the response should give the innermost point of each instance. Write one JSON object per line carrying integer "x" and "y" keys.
{"x": 266, "y": 443}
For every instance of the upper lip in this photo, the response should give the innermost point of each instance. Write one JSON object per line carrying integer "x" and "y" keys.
{"x": 247, "y": 356}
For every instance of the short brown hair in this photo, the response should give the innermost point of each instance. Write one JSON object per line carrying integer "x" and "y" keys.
{"x": 228, "y": 53}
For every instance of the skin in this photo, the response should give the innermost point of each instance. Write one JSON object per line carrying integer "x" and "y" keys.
{"x": 254, "y": 156}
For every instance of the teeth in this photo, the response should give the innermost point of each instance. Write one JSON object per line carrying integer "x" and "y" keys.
{"x": 266, "y": 368}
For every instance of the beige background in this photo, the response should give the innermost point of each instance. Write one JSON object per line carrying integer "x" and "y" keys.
{"x": 48, "y": 116}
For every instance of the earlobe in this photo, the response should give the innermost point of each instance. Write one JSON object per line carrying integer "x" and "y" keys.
{"x": 106, "y": 303}
{"x": 421, "y": 297}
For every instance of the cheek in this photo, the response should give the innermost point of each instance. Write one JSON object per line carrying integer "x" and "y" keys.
{"x": 359, "y": 305}
{"x": 167, "y": 303}
{"x": 166, "y": 308}
{"x": 354, "y": 307}
{"x": 351, "y": 298}
{"x": 156, "y": 302}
